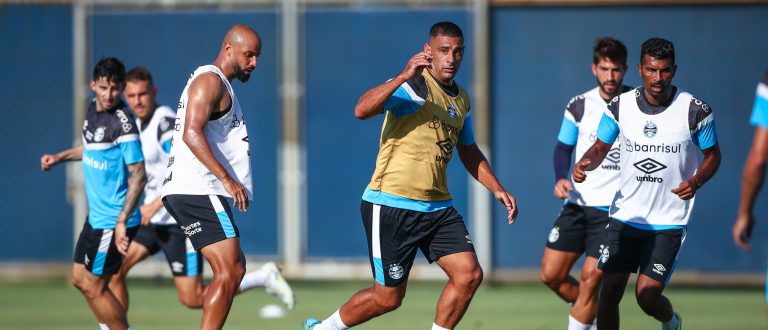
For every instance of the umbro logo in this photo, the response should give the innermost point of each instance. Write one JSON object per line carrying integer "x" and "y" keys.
{"x": 659, "y": 269}
{"x": 614, "y": 155}
{"x": 649, "y": 166}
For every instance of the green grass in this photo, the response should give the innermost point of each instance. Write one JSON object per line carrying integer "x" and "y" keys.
{"x": 55, "y": 305}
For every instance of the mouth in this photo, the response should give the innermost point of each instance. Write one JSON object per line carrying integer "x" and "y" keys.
{"x": 657, "y": 88}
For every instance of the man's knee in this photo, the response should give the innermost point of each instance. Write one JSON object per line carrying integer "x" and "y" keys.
{"x": 470, "y": 278}
{"x": 388, "y": 302}
{"x": 190, "y": 300}
{"x": 231, "y": 273}
{"x": 551, "y": 277}
{"x": 590, "y": 278}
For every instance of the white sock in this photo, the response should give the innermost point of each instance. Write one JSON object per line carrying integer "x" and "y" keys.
{"x": 574, "y": 324}
{"x": 437, "y": 327}
{"x": 103, "y": 326}
{"x": 671, "y": 324}
{"x": 332, "y": 323}
{"x": 257, "y": 278}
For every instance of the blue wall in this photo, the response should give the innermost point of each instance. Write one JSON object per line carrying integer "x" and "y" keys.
{"x": 172, "y": 46}
{"x": 36, "y": 89}
{"x": 542, "y": 57}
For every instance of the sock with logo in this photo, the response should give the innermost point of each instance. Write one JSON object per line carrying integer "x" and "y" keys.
{"x": 437, "y": 327}
{"x": 574, "y": 324}
{"x": 254, "y": 279}
{"x": 671, "y": 324}
{"x": 332, "y": 323}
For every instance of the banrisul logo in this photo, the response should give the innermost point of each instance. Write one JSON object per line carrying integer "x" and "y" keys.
{"x": 650, "y": 129}
{"x": 649, "y": 166}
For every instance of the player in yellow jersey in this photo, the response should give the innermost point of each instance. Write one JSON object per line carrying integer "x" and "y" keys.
{"x": 407, "y": 206}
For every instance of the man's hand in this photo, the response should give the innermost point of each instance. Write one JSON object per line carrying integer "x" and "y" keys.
{"x": 415, "y": 65}
{"x": 686, "y": 190}
{"x": 147, "y": 212}
{"x": 237, "y": 191}
{"x": 742, "y": 231}
{"x": 48, "y": 161}
{"x": 509, "y": 201}
{"x": 562, "y": 188}
{"x": 580, "y": 170}
{"x": 121, "y": 238}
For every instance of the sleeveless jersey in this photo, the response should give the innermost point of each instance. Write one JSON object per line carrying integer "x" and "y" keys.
{"x": 156, "y": 137}
{"x": 422, "y": 126}
{"x": 110, "y": 143}
{"x": 658, "y": 151}
{"x": 228, "y": 139}
{"x": 760, "y": 109}
{"x": 580, "y": 122}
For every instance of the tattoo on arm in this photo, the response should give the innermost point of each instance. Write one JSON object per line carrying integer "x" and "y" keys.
{"x": 136, "y": 183}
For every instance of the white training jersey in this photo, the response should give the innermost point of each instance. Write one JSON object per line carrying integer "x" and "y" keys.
{"x": 580, "y": 122}
{"x": 156, "y": 137}
{"x": 228, "y": 139}
{"x": 659, "y": 150}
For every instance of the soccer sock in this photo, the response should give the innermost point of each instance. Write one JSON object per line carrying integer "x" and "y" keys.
{"x": 671, "y": 324}
{"x": 437, "y": 327}
{"x": 332, "y": 323}
{"x": 257, "y": 278}
{"x": 574, "y": 324}
{"x": 103, "y": 326}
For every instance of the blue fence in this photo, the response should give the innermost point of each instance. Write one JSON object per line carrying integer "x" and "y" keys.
{"x": 540, "y": 58}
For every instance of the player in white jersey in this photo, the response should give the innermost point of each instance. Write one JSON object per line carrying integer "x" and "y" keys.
{"x": 159, "y": 231}
{"x": 661, "y": 128}
{"x": 754, "y": 169}
{"x": 210, "y": 162}
{"x": 579, "y": 227}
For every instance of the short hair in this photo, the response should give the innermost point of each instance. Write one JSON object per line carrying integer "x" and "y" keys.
{"x": 610, "y": 48}
{"x": 658, "y": 48}
{"x": 139, "y": 73}
{"x": 110, "y": 68}
{"x": 449, "y": 29}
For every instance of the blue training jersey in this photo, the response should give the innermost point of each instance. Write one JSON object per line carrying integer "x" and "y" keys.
{"x": 760, "y": 109}
{"x": 110, "y": 143}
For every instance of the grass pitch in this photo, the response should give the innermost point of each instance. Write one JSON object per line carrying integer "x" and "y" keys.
{"x": 56, "y": 305}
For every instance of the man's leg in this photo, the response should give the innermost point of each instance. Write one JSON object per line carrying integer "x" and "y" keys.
{"x": 555, "y": 268}
{"x": 464, "y": 277}
{"x": 650, "y": 299}
{"x": 228, "y": 266}
{"x": 102, "y": 302}
{"x": 136, "y": 253}
{"x": 190, "y": 290}
{"x": 585, "y": 307}
{"x": 611, "y": 292}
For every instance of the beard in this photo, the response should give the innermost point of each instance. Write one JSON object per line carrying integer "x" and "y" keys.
{"x": 241, "y": 74}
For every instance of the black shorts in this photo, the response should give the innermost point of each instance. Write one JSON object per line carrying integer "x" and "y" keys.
{"x": 178, "y": 249}
{"x": 206, "y": 219}
{"x": 653, "y": 252}
{"x": 394, "y": 234}
{"x": 96, "y": 249}
{"x": 578, "y": 229}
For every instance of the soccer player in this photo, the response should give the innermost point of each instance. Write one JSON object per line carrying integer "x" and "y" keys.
{"x": 661, "y": 127}
{"x": 754, "y": 169}
{"x": 407, "y": 206}
{"x": 113, "y": 167}
{"x": 159, "y": 231}
{"x": 210, "y": 162}
{"x": 579, "y": 228}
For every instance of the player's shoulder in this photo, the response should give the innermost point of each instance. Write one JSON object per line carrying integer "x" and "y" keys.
{"x": 698, "y": 106}
{"x": 575, "y": 106}
{"x": 123, "y": 121}
{"x": 165, "y": 111}
{"x": 418, "y": 85}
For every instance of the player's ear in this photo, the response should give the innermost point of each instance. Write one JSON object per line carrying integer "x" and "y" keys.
{"x": 93, "y": 85}
{"x": 427, "y": 49}
{"x": 594, "y": 69}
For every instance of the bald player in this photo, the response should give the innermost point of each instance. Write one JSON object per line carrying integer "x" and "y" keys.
{"x": 209, "y": 163}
